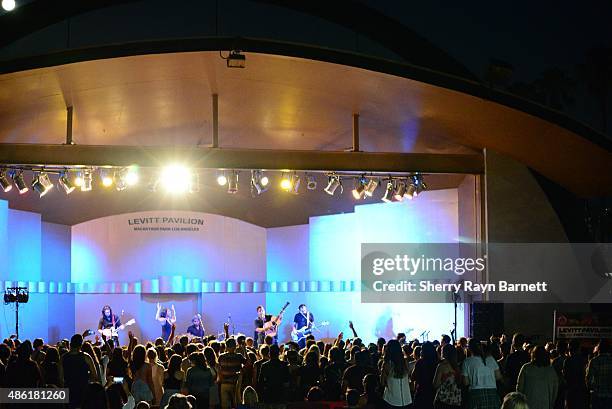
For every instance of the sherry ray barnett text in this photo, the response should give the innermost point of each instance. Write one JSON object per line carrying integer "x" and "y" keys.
{"x": 428, "y": 286}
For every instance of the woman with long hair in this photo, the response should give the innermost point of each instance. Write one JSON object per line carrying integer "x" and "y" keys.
{"x": 88, "y": 349}
{"x": 309, "y": 374}
{"x": 157, "y": 372}
{"x": 173, "y": 379}
{"x": 199, "y": 379}
{"x": 480, "y": 373}
{"x": 394, "y": 377}
{"x": 423, "y": 376}
{"x": 142, "y": 375}
{"x": 213, "y": 365}
{"x": 447, "y": 380}
{"x": 50, "y": 367}
{"x": 538, "y": 380}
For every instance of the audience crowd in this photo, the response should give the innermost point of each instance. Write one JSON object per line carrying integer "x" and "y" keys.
{"x": 235, "y": 373}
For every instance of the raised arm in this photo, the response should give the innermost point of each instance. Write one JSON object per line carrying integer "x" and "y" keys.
{"x": 158, "y": 312}
{"x": 173, "y": 319}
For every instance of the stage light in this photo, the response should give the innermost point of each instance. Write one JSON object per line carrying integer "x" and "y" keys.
{"x": 333, "y": 184}
{"x": 311, "y": 182}
{"x": 19, "y": 181}
{"x": 8, "y": 5}
{"x": 359, "y": 189}
{"x": 236, "y": 60}
{"x": 5, "y": 182}
{"x": 410, "y": 191}
{"x": 420, "y": 184}
{"x": 153, "y": 182}
{"x": 295, "y": 184}
{"x": 65, "y": 183}
{"x": 41, "y": 183}
{"x": 87, "y": 179}
{"x": 131, "y": 177}
{"x": 175, "y": 179}
{"x": 78, "y": 179}
{"x": 259, "y": 182}
{"x": 107, "y": 178}
{"x": 232, "y": 182}
{"x": 371, "y": 187}
{"x": 388, "y": 196}
{"x": 221, "y": 179}
{"x": 400, "y": 191}
{"x": 285, "y": 183}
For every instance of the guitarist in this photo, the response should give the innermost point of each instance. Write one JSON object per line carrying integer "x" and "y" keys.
{"x": 303, "y": 320}
{"x": 260, "y": 331}
{"x": 109, "y": 320}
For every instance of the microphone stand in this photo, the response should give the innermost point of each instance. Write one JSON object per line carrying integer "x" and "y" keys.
{"x": 231, "y": 322}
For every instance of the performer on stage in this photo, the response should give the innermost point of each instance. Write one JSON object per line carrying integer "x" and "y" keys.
{"x": 167, "y": 317}
{"x": 109, "y": 320}
{"x": 196, "y": 329}
{"x": 262, "y": 318}
{"x": 302, "y": 325}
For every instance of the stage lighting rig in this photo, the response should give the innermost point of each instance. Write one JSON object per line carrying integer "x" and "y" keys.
{"x": 236, "y": 59}
{"x": 17, "y": 295}
{"x": 333, "y": 184}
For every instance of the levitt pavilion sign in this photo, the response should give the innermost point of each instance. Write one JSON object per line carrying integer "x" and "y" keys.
{"x": 166, "y": 224}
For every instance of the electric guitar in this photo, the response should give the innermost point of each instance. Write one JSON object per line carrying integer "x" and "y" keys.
{"x": 299, "y": 334}
{"x": 271, "y": 327}
{"x": 113, "y": 332}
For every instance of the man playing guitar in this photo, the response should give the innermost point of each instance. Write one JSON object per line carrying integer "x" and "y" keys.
{"x": 109, "y": 320}
{"x": 260, "y": 331}
{"x": 302, "y": 325}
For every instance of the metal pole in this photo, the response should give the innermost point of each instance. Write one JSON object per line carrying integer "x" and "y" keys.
{"x": 215, "y": 113}
{"x": 17, "y": 319}
{"x": 355, "y": 132}
{"x": 69, "y": 112}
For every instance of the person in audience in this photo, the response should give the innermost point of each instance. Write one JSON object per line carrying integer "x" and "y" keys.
{"x": 354, "y": 374}
{"x": 213, "y": 365}
{"x": 274, "y": 378}
{"x": 50, "y": 367}
{"x": 250, "y": 400}
{"x": 370, "y": 398}
{"x": 394, "y": 377}
{"x": 447, "y": 380}
{"x": 178, "y": 401}
{"x": 423, "y": 376}
{"x": 557, "y": 364}
{"x": 515, "y": 400}
{"x": 230, "y": 365}
{"x": 517, "y": 358}
{"x": 76, "y": 370}
{"x": 333, "y": 373}
{"x": 480, "y": 373}
{"x": 142, "y": 374}
{"x": 173, "y": 379}
{"x": 352, "y": 398}
{"x": 199, "y": 379}
{"x": 95, "y": 397}
{"x": 38, "y": 355}
{"x": 574, "y": 375}
{"x": 599, "y": 377}
{"x": 538, "y": 380}
{"x": 309, "y": 374}
{"x": 157, "y": 374}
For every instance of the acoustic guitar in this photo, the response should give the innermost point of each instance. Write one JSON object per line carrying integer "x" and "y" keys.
{"x": 271, "y": 327}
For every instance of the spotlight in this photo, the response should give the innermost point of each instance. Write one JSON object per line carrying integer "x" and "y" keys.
{"x": 236, "y": 60}
{"x": 420, "y": 184}
{"x": 400, "y": 191}
{"x": 175, "y": 179}
{"x": 285, "y": 182}
{"x": 87, "y": 179}
{"x": 259, "y": 182}
{"x": 8, "y": 5}
{"x": 410, "y": 191}
{"x": 153, "y": 182}
{"x": 65, "y": 183}
{"x": 41, "y": 183}
{"x": 333, "y": 184}
{"x": 359, "y": 189}
{"x": 311, "y": 182}
{"x": 131, "y": 177}
{"x": 388, "y": 196}
{"x": 371, "y": 187}
{"x": 221, "y": 179}
{"x": 78, "y": 179}
{"x": 232, "y": 182}
{"x": 107, "y": 178}
{"x": 4, "y": 181}
{"x": 295, "y": 184}
{"x": 19, "y": 181}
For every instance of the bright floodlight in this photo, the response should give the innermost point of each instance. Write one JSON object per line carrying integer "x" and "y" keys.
{"x": 8, "y": 5}
{"x": 286, "y": 182}
{"x": 175, "y": 179}
{"x": 222, "y": 179}
{"x": 131, "y": 178}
